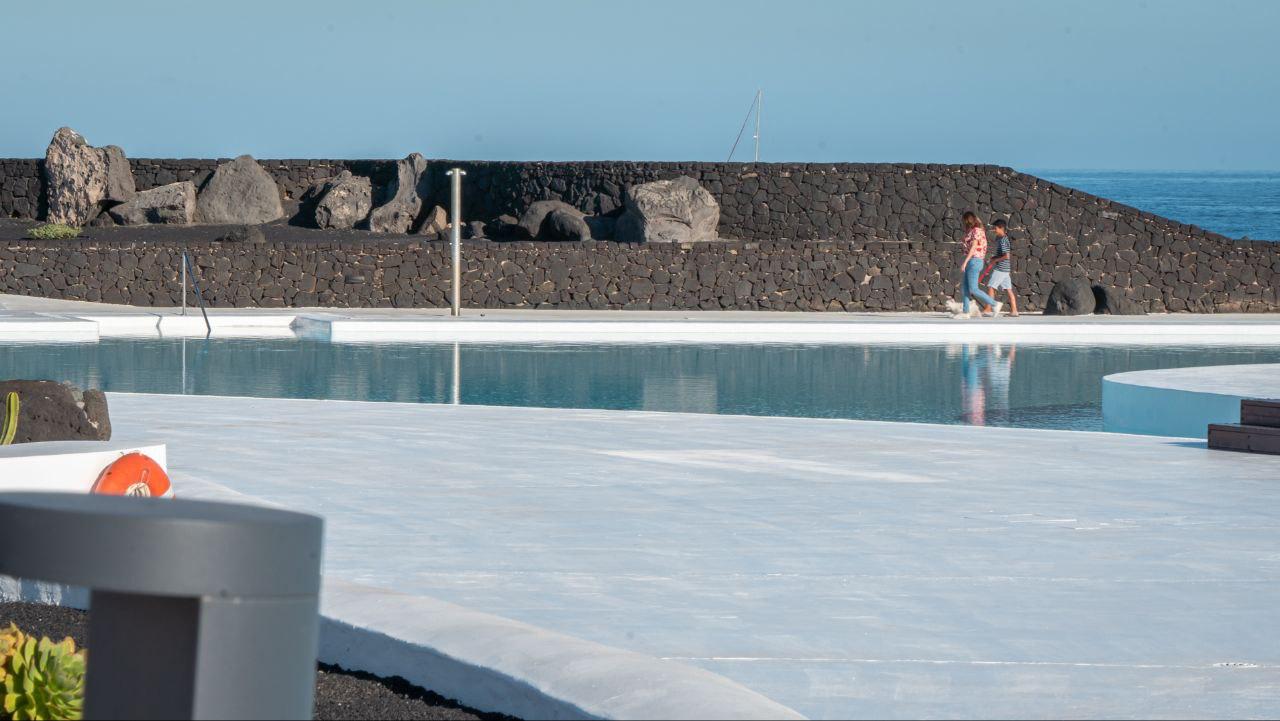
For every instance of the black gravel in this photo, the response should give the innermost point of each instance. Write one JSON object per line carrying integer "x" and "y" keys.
{"x": 340, "y": 694}
{"x": 12, "y": 230}
{"x": 52, "y": 621}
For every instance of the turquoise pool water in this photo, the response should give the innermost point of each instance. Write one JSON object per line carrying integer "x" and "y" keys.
{"x": 1030, "y": 386}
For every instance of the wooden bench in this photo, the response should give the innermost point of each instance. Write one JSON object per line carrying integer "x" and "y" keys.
{"x": 1257, "y": 432}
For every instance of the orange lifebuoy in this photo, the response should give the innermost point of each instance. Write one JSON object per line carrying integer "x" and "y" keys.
{"x": 133, "y": 474}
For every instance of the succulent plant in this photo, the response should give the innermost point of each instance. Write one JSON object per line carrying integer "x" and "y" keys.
{"x": 53, "y": 231}
{"x": 41, "y": 679}
{"x": 11, "y": 639}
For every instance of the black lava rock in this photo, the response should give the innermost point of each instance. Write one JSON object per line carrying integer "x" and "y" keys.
{"x": 1111, "y": 301}
{"x": 1073, "y": 296}
{"x": 49, "y": 411}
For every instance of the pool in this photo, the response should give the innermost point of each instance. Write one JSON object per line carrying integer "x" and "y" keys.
{"x": 1037, "y": 386}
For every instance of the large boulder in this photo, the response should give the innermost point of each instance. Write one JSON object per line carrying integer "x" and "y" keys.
{"x": 120, "y": 185}
{"x": 565, "y": 225}
{"x": 669, "y": 211}
{"x": 343, "y": 201}
{"x": 49, "y": 411}
{"x": 1113, "y": 301}
{"x": 435, "y": 222}
{"x": 407, "y": 193}
{"x": 239, "y": 192}
{"x": 75, "y": 178}
{"x": 533, "y": 221}
{"x": 1072, "y": 296}
{"x": 172, "y": 204}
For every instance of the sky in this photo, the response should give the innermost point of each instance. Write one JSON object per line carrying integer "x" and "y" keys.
{"x": 1105, "y": 84}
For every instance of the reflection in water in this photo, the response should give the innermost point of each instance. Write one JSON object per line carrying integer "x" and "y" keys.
{"x": 986, "y": 373}
{"x": 455, "y": 396}
{"x": 1048, "y": 387}
{"x": 689, "y": 394}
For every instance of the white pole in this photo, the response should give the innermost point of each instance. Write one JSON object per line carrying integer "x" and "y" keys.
{"x": 456, "y": 237}
{"x": 759, "y": 103}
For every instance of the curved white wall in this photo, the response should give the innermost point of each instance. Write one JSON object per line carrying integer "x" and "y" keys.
{"x": 65, "y": 466}
{"x": 1182, "y": 402}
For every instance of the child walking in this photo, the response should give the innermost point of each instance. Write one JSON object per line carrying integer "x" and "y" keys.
{"x": 1002, "y": 268}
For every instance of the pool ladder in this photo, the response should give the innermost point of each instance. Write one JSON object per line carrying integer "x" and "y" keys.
{"x": 189, "y": 270}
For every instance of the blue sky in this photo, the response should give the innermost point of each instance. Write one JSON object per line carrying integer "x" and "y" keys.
{"x": 1160, "y": 84}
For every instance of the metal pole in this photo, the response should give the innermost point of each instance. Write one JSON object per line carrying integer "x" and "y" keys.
{"x": 199, "y": 297}
{"x": 456, "y": 237}
{"x": 759, "y": 103}
{"x": 184, "y": 282}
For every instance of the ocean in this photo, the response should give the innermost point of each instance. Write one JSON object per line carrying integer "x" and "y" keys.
{"x": 1235, "y": 204}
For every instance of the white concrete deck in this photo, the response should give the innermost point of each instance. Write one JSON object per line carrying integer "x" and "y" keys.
{"x": 78, "y": 321}
{"x": 843, "y": 568}
{"x": 20, "y": 327}
{"x": 1184, "y": 401}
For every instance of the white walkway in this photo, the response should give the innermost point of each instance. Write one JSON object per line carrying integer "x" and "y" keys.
{"x": 841, "y": 568}
{"x": 24, "y": 318}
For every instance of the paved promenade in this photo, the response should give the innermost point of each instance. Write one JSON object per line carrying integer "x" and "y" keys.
{"x": 842, "y": 568}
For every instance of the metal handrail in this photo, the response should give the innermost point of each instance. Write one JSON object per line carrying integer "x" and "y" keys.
{"x": 190, "y": 270}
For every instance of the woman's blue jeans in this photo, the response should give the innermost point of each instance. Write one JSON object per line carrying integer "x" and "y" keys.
{"x": 971, "y": 286}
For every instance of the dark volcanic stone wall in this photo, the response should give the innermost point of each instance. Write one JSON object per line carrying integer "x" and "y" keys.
{"x": 21, "y": 189}
{"x": 887, "y": 237}
{"x": 746, "y": 275}
{"x": 759, "y": 201}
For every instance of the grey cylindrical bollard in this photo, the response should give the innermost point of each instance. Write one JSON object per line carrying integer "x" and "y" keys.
{"x": 198, "y": 610}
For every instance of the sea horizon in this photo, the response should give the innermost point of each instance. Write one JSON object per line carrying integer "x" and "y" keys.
{"x": 1237, "y": 204}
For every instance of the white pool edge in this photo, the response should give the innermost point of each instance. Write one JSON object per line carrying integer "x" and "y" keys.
{"x": 1166, "y": 403}
{"x": 493, "y": 663}
{"x": 335, "y": 326}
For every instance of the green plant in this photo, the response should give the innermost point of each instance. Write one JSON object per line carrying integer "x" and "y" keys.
{"x": 41, "y": 679}
{"x": 54, "y": 231}
{"x": 10, "y": 640}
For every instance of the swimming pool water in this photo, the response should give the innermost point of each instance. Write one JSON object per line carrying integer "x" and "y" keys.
{"x": 1006, "y": 385}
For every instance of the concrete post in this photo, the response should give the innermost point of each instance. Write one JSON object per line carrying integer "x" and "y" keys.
{"x": 198, "y": 610}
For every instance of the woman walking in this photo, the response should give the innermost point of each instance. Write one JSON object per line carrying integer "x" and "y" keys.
{"x": 975, "y": 253}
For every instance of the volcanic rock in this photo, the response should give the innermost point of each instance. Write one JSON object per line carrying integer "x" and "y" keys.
{"x": 1073, "y": 296}
{"x": 50, "y": 411}
{"x": 533, "y": 219}
{"x": 343, "y": 201}
{"x": 239, "y": 192}
{"x": 172, "y": 204}
{"x": 669, "y": 211}
{"x": 407, "y": 191}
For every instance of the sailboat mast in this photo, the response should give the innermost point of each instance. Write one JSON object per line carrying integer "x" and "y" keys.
{"x": 759, "y": 103}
